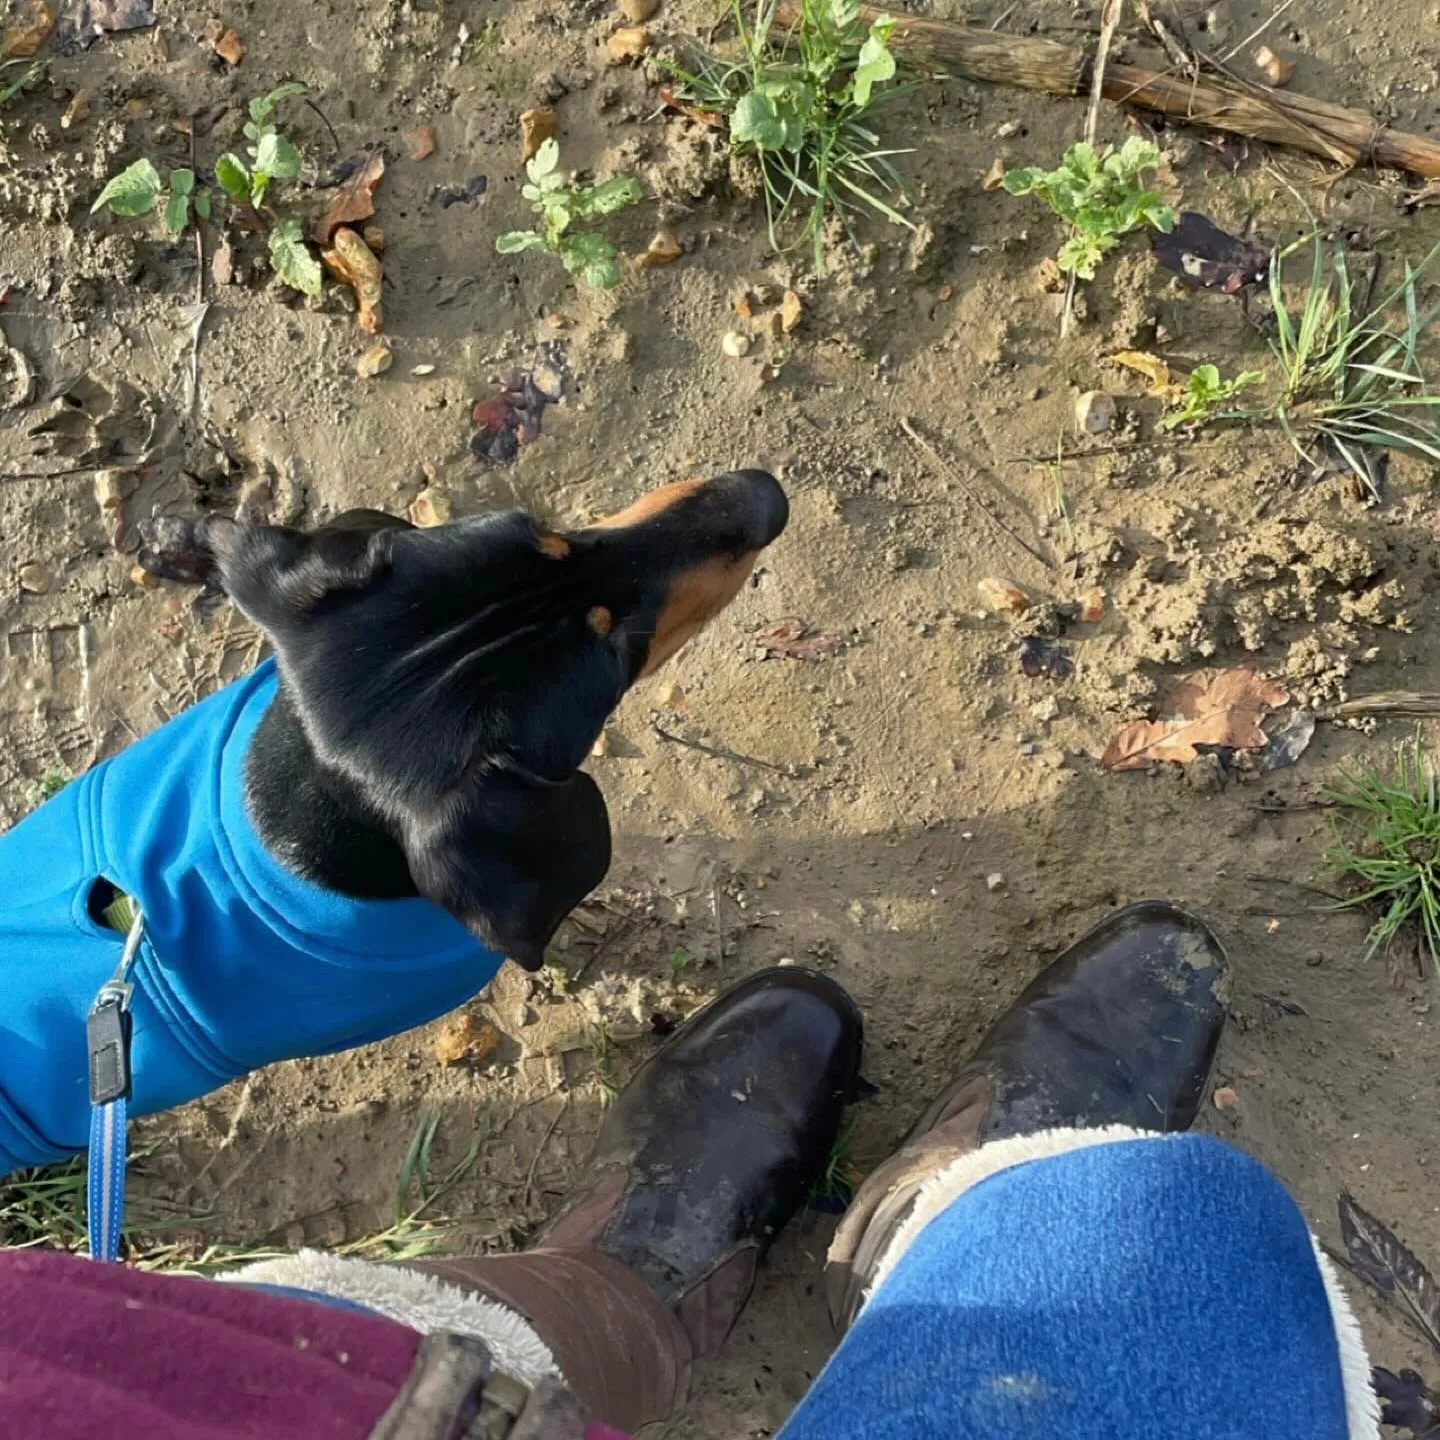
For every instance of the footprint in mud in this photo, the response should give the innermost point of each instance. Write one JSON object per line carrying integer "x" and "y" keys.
{"x": 84, "y": 424}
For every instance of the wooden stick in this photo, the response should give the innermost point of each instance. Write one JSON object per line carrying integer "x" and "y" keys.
{"x": 1051, "y": 67}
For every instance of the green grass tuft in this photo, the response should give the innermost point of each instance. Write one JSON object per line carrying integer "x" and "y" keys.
{"x": 1387, "y": 842}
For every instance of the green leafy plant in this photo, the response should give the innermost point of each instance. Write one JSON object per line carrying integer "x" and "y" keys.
{"x": 679, "y": 959}
{"x": 272, "y": 155}
{"x": 559, "y": 202}
{"x": 1388, "y": 842}
{"x": 1205, "y": 393}
{"x": 1351, "y": 376}
{"x": 138, "y": 189}
{"x": 1101, "y": 195}
{"x": 292, "y": 259}
{"x": 800, "y": 102}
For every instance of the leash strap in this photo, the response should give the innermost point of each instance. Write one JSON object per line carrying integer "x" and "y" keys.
{"x": 107, "y": 1037}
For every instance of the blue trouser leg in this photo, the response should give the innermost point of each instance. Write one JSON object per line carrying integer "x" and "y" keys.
{"x": 1164, "y": 1288}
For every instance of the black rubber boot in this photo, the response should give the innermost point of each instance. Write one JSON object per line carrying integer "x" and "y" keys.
{"x": 1120, "y": 1030}
{"x": 705, "y": 1155}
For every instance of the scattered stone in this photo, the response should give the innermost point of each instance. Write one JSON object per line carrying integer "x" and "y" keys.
{"x": 536, "y": 127}
{"x": 230, "y": 48}
{"x": 1046, "y": 710}
{"x": 468, "y": 1038}
{"x": 114, "y": 487}
{"x": 76, "y": 111}
{"x": 735, "y": 344}
{"x": 422, "y": 370}
{"x": 995, "y": 175}
{"x": 664, "y": 249}
{"x": 375, "y": 361}
{"x": 994, "y": 880}
{"x": 1094, "y": 412}
{"x": 1225, "y": 1098}
{"x": 1092, "y": 606}
{"x": 638, "y": 10}
{"x": 429, "y": 509}
{"x": 630, "y": 42}
{"x": 673, "y": 698}
{"x": 1277, "y": 69}
{"x": 1205, "y": 774}
{"x": 142, "y": 579}
{"x": 1050, "y": 277}
{"x": 1000, "y": 597}
{"x": 222, "y": 263}
{"x": 1009, "y": 130}
{"x": 790, "y": 311}
{"x": 420, "y": 142}
{"x": 374, "y": 237}
{"x": 601, "y": 748}
{"x": 35, "y": 579}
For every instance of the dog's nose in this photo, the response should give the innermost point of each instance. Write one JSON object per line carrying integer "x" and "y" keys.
{"x": 765, "y": 507}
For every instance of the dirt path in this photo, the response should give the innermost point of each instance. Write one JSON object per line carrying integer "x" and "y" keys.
{"x": 904, "y": 772}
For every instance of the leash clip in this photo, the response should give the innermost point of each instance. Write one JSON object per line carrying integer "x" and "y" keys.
{"x": 107, "y": 1038}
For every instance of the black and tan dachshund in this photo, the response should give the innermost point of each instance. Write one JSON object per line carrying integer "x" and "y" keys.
{"x": 306, "y": 845}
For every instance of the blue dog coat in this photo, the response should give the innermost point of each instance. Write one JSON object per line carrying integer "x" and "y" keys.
{"x": 242, "y": 963}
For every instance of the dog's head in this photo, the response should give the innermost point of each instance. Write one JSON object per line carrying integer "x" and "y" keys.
{"x": 458, "y": 676}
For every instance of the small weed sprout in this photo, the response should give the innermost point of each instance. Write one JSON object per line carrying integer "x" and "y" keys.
{"x": 559, "y": 202}
{"x": 138, "y": 190}
{"x": 679, "y": 959}
{"x": 1388, "y": 843}
{"x": 801, "y": 102}
{"x": 1205, "y": 394}
{"x": 1101, "y": 195}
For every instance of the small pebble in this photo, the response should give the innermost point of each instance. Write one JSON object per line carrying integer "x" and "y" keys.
{"x": 1009, "y": 130}
{"x": 114, "y": 487}
{"x": 430, "y": 508}
{"x": 536, "y": 127}
{"x": 420, "y": 142}
{"x": 375, "y": 361}
{"x": 1277, "y": 69}
{"x": 1225, "y": 1098}
{"x": 1094, "y": 412}
{"x": 142, "y": 578}
{"x": 35, "y": 579}
{"x": 1092, "y": 606}
{"x": 735, "y": 344}
{"x": 994, "y": 880}
{"x": 422, "y": 370}
{"x": 230, "y": 48}
{"x": 638, "y": 10}
{"x": 1000, "y": 597}
{"x": 374, "y": 237}
{"x": 76, "y": 110}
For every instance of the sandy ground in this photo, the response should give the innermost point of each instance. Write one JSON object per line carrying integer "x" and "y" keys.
{"x": 902, "y": 773}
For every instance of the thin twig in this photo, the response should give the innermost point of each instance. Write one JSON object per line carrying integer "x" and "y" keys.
{"x": 948, "y": 472}
{"x": 1266, "y": 807}
{"x": 1257, "y": 877}
{"x": 719, "y": 752}
{"x": 199, "y": 227}
{"x": 544, "y": 1141}
{"x": 1386, "y": 702}
{"x": 334, "y": 138}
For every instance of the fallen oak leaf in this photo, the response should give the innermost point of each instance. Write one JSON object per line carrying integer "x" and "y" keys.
{"x": 1209, "y": 707}
{"x": 1385, "y": 1262}
{"x": 1152, "y": 367}
{"x": 354, "y": 200}
{"x": 350, "y": 259}
{"x": 794, "y": 640}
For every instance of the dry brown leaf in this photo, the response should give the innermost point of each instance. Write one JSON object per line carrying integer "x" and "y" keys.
{"x": 466, "y": 1037}
{"x": 995, "y": 175}
{"x": 350, "y": 259}
{"x": 354, "y": 200}
{"x": 1210, "y": 707}
{"x": 1152, "y": 367}
{"x": 536, "y": 127}
{"x": 420, "y": 141}
{"x": 794, "y": 640}
{"x": 230, "y": 48}
{"x": 22, "y": 41}
{"x": 664, "y": 249}
{"x": 630, "y": 42}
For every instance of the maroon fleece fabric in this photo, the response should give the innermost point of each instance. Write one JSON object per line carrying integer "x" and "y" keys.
{"x": 102, "y": 1352}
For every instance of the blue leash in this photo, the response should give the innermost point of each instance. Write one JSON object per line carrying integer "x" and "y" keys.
{"x": 107, "y": 1036}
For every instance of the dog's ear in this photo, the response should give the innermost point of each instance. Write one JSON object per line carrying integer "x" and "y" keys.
{"x": 512, "y": 857}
